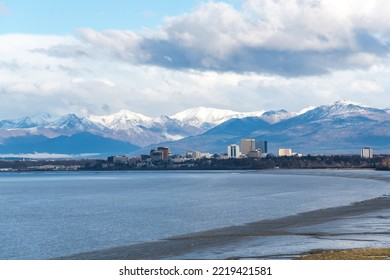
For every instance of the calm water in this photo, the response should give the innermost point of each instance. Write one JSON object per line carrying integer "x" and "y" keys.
{"x": 47, "y": 215}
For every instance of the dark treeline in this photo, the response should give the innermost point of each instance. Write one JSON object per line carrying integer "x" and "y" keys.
{"x": 294, "y": 162}
{"x": 306, "y": 162}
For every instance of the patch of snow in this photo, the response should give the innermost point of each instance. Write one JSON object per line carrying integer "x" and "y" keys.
{"x": 307, "y": 109}
{"x": 172, "y": 137}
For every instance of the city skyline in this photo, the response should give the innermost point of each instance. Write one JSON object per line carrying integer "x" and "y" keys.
{"x": 159, "y": 58}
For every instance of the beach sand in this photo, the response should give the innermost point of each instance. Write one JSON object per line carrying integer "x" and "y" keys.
{"x": 179, "y": 246}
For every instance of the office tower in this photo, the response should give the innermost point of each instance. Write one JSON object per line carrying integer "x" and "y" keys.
{"x": 261, "y": 145}
{"x": 247, "y": 145}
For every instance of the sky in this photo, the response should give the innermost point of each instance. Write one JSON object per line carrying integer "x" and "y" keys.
{"x": 161, "y": 57}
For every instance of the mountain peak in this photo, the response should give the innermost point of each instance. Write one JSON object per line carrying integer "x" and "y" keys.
{"x": 69, "y": 120}
{"x": 342, "y": 109}
{"x": 130, "y": 115}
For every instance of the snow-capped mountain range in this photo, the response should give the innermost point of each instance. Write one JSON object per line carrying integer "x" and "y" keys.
{"x": 130, "y": 126}
{"x": 341, "y": 127}
{"x": 196, "y": 127}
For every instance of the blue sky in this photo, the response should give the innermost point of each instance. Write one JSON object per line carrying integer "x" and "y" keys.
{"x": 63, "y": 17}
{"x": 161, "y": 57}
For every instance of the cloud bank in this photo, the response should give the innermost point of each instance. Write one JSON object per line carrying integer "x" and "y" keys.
{"x": 286, "y": 38}
{"x": 265, "y": 54}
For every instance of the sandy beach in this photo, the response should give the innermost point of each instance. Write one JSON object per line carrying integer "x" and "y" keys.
{"x": 181, "y": 247}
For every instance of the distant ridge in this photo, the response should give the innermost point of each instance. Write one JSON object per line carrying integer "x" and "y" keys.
{"x": 80, "y": 143}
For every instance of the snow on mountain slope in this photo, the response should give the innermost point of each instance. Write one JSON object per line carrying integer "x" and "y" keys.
{"x": 142, "y": 130}
{"x": 48, "y": 126}
{"x": 27, "y": 122}
{"x": 339, "y": 109}
{"x": 74, "y": 123}
{"x": 277, "y": 116}
{"x": 34, "y": 121}
{"x": 307, "y": 109}
{"x": 209, "y": 117}
{"x": 345, "y": 108}
{"x": 121, "y": 120}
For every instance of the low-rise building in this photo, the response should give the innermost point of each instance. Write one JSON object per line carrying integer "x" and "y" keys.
{"x": 206, "y": 155}
{"x": 194, "y": 155}
{"x": 254, "y": 154}
{"x": 285, "y": 152}
{"x": 144, "y": 157}
{"x": 118, "y": 159}
{"x": 134, "y": 161}
{"x": 156, "y": 155}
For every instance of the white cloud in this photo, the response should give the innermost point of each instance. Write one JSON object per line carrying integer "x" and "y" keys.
{"x": 363, "y": 59}
{"x": 287, "y": 38}
{"x": 365, "y": 86}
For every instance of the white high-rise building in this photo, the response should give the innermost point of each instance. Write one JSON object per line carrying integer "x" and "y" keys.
{"x": 367, "y": 152}
{"x": 247, "y": 145}
{"x": 234, "y": 151}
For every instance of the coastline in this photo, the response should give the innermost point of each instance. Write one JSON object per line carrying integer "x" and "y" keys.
{"x": 178, "y": 247}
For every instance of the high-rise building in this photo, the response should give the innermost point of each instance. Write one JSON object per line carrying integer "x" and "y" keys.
{"x": 367, "y": 152}
{"x": 285, "y": 152}
{"x": 234, "y": 151}
{"x": 247, "y": 145}
{"x": 164, "y": 151}
{"x": 261, "y": 145}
